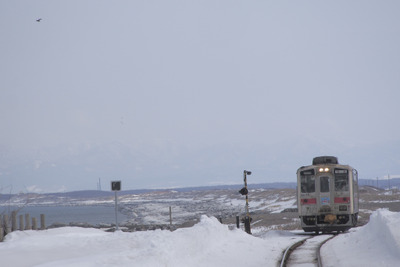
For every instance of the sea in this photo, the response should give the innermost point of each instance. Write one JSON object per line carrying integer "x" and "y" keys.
{"x": 93, "y": 214}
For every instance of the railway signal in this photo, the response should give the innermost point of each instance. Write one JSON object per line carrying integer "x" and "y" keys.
{"x": 244, "y": 191}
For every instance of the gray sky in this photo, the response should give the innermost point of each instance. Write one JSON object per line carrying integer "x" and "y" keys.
{"x": 181, "y": 93}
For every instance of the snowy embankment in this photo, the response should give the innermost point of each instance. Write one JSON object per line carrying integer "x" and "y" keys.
{"x": 375, "y": 244}
{"x": 208, "y": 243}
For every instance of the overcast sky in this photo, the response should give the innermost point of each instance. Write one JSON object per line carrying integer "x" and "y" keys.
{"x": 222, "y": 85}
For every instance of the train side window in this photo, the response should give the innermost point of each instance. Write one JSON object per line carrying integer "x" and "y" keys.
{"x": 341, "y": 182}
{"x": 324, "y": 184}
{"x": 355, "y": 176}
{"x": 307, "y": 184}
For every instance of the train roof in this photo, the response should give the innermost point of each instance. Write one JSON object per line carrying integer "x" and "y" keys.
{"x": 325, "y": 160}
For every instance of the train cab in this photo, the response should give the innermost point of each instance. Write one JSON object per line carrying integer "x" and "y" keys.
{"x": 327, "y": 195}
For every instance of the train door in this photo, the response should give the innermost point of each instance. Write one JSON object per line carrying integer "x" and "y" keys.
{"x": 343, "y": 188}
{"x": 324, "y": 187}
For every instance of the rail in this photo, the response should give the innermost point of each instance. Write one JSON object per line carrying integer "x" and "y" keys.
{"x": 319, "y": 259}
{"x": 308, "y": 251}
{"x": 289, "y": 250}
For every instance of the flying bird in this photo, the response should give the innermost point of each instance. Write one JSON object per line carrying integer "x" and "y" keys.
{"x": 38, "y": 20}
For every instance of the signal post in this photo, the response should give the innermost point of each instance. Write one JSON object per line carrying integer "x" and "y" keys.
{"x": 116, "y": 186}
{"x": 245, "y": 191}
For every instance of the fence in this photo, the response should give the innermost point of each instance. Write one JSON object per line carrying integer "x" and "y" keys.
{"x": 8, "y": 225}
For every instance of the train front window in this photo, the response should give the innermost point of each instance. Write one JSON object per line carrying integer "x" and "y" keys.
{"x": 324, "y": 184}
{"x": 341, "y": 182}
{"x": 307, "y": 184}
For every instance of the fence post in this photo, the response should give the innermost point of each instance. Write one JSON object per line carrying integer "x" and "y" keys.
{"x": 28, "y": 222}
{"x": 170, "y": 216}
{"x": 42, "y": 222}
{"x": 247, "y": 220}
{"x": 34, "y": 223}
{"x": 7, "y": 226}
{"x": 21, "y": 222}
{"x": 14, "y": 220}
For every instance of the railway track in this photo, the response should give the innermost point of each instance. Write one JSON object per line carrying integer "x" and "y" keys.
{"x": 305, "y": 252}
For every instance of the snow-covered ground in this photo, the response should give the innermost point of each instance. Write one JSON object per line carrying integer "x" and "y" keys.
{"x": 208, "y": 243}
{"x": 152, "y": 208}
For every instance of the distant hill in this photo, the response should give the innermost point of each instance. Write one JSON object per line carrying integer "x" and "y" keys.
{"x": 99, "y": 193}
{"x": 383, "y": 184}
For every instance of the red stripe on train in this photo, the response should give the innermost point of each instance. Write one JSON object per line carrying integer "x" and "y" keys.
{"x": 342, "y": 200}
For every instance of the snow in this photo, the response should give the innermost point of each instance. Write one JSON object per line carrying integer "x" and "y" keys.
{"x": 375, "y": 244}
{"x": 207, "y": 243}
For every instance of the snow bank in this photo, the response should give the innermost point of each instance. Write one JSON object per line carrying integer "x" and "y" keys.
{"x": 208, "y": 243}
{"x": 375, "y": 244}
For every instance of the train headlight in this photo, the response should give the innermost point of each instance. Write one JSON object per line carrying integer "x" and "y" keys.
{"x": 323, "y": 169}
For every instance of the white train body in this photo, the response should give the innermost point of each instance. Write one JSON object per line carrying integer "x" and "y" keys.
{"x": 327, "y": 196}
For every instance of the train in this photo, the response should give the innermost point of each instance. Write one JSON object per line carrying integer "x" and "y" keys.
{"x": 327, "y": 196}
